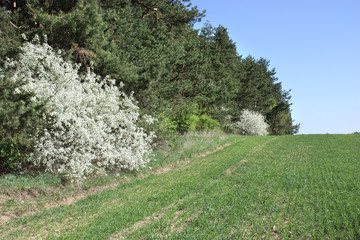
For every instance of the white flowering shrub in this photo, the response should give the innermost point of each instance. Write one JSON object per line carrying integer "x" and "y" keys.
{"x": 90, "y": 124}
{"x": 251, "y": 123}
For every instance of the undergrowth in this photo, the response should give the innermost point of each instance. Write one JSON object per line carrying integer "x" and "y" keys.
{"x": 23, "y": 194}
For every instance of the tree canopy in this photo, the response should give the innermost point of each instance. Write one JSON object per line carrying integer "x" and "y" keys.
{"x": 153, "y": 48}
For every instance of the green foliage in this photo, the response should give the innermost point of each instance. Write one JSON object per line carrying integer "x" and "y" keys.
{"x": 170, "y": 125}
{"x": 10, "y": 35}
{"x": 10, "y": 156}
{"x": 165, "y": 129}
{"x": 20, "y": 120}
{"x": 159, "y": 56}
{"x": 189, "y": 118}
{"x": 208, "y": 123}
{"x": 186, "y": 118}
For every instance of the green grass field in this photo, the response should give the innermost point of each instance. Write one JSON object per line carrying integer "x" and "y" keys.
{"x": 212, "y": 187}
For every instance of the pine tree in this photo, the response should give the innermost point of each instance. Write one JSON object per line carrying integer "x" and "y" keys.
{"x": 152, "y": 47}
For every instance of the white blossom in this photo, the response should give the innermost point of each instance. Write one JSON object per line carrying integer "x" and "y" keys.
{"x": 251, "y": 123}
{"x": 90, "y": 124}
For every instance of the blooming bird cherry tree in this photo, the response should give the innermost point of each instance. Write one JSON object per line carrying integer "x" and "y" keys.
{"x": 91, "y": 126}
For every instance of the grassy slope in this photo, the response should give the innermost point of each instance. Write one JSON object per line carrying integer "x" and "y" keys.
{"x": 290, "y": 187}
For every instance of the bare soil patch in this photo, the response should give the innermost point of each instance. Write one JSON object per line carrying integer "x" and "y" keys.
{"x": 215, "y": 150}
{"x": 30, "y": 201}
{"x": 230, "y": 170}
{"x": 179, "y": 225}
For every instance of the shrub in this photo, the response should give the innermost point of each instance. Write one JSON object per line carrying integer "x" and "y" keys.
{"x": 208, "y": 123}
{"x": 90, "y": 125}
{"x": 11, "y": 156}
{"x": 165, "y": 128}
{"x": 189, "y": 118}
{"x": 185, "y": 117}
{"x": 250, "y": 123}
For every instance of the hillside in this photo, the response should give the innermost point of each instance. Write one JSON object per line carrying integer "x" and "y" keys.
{"x": 297, "y": 187}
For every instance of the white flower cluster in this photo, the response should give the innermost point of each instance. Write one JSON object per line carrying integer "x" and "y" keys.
{"x": 251, "y": 123}
{"x": 90, "y": 124}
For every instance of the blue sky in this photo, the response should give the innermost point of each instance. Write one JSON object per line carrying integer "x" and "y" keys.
{"x": 314, "y": 45}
